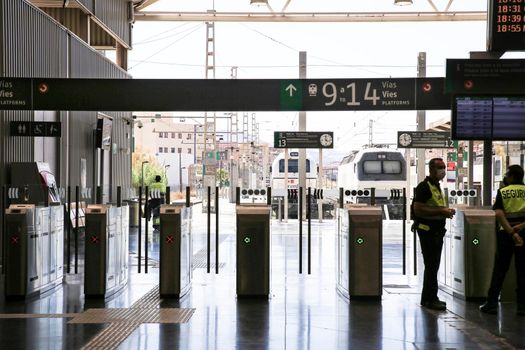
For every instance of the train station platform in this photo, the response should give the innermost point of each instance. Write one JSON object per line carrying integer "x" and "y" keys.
{"x": 304, "y": 311}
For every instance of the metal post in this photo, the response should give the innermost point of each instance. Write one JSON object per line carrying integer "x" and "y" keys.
{"x": 68, "y": 216}
{"x": 286, "y": 184}
{"x": 372, "y": 196}
{"x": 341, "y": 197}
{"x": 302, "y": 126}
{"x": 168, "y": 195}
{"x": 237, "y": 195}
{"x": 140, "y": 230}
{"x": 188, "y": 194}
{"x": 421, "y": 118}
{"x": 146, "y": 229}
{"x": 404, "y": 230}
{"x": 309, "y": 206}
{"x": 208, "y": 229}
{"x": 320, "y": 186}
{"x": 3, "y": 233}
{"x": 216, "y": 230}
{"x": 487, "y": 173}
{"x": 77, "y": 207}
{"x": 300, "y": 217}
{"x": 280, "y": 201}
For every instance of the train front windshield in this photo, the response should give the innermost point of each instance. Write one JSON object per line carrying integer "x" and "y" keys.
{"x": 382, "y": 170}
{"x": 293, "y": 166}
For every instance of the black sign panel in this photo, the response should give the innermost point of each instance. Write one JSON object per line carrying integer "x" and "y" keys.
{"x": 15, "y": 93}
{"x": 303, "y": 139}
{"x": 424, "y": 139}
{"x": 485, "y": 76}
{"x": 36, "y": 129}
{"x": 506, "y": 25}
{"x": 227, "y": 95}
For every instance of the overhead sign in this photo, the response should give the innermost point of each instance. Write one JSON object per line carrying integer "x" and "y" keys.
{"x": 479, "y": 76}
{"x": 424, "y": 139}
{"x": 506, "y": 25}
{"x": 36, "y": 129}
{"x": 223, "y": 94}
{"x": 303, "y": 139}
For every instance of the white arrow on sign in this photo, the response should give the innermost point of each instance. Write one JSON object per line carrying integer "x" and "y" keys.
{"x": 290, "y": 88}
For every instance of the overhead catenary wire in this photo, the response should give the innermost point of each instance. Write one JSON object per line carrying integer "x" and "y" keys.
{"x": 195, "y": 28}
{"x": 153, "y": 38}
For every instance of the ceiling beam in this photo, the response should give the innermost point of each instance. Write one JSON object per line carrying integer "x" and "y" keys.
{"x": 312, "y": 16}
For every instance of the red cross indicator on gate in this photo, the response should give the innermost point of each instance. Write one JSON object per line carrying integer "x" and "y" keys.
{"x": 169, "y": 239}
{"x": 14, "y": 240}
{"x": 94, "y": 239}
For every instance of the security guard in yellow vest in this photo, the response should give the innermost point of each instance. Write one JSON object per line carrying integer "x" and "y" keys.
{"x": 157, "y": 192}
{"x": 510, "y": 213}
{"x": 430, "y": 214}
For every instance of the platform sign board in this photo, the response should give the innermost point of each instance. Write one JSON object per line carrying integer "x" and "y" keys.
{"x": 303, "y": 139}
{"x": 424, "y": 139}
{"x": 506, "y": 25}
{"x": 201, "y": 95}
{"x": 479, "y": 76}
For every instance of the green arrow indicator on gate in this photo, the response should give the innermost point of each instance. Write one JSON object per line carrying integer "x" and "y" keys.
{"x": 475, "y": 241}
{"x": 291, "y": 95}
{"x": 360, "y": 240}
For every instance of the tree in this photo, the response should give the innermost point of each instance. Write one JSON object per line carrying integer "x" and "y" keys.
{"x": 151, "y": 169}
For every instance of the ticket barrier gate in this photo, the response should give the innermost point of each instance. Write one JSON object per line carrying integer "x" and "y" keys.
{"x": 34, "y": 249}
{"x": 468, "y": 253}
{"x": 359, "y": 252}
{"x": 253, "y": 250}
{"x": 175, "y": 250}
{"x": 106, "y": 250}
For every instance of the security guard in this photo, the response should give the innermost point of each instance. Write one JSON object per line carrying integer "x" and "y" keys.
{"x": 157, "y": 193}
{"x": 430, "y": 214}
{"x": 510, "y": 213}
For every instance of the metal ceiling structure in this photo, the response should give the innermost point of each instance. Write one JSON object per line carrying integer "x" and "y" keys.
{"x": 213, "y": 16}
{"x": 283, "y": 16}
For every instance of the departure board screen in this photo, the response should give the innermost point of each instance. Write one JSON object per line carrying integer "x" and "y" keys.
{"x": 488, "y": 118}
{"x": 506, "y": 25}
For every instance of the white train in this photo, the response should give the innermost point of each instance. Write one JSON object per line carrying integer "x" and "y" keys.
{"x": 277, "y": 171}
{"x": 380, "y": 168}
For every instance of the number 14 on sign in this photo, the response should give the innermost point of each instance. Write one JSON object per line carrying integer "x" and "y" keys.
{"x": 331, "y": 93}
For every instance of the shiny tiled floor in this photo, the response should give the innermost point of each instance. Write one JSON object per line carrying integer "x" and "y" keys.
{"x": 303, "y": 312}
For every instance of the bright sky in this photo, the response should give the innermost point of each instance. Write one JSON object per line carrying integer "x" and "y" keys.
{"x": 335, "y": 50}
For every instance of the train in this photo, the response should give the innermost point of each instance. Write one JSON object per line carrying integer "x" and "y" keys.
{"x": 383, "y": 169}
{"x": 277, "y": 171}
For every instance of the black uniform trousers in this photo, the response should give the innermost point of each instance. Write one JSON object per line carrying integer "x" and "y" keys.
{"x": 431, "y": 245}
{"x": 504, "y": 252}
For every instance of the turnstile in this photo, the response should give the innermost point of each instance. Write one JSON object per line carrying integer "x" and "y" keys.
{"x": 253, "y": 250}
{"x": 359, "y": 252}
{"x": 468, "y": 253}
{"x": 34, "y": 253}
{"x": 175, "y": 250}
{"x": 106, "y": 250}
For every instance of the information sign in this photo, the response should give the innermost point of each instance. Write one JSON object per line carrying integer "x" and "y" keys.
{"x": 302, "y": 139}
{"x": 424, "y": 139}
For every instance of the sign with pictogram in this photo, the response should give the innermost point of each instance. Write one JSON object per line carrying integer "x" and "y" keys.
{"x": 36, "y": 129}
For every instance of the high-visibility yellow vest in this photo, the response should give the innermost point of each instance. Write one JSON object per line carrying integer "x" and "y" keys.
{"x": 437, "y": 200}
{"x": 513, "y": 197}
{"x": 157, "y": 190}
